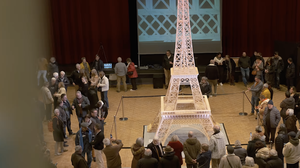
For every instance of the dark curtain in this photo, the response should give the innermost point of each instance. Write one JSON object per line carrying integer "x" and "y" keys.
{"x": 250, "y": 25}
{"x": 80, "y": 27}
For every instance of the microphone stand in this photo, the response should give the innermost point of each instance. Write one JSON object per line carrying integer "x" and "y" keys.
{"x": 243, "y": 113}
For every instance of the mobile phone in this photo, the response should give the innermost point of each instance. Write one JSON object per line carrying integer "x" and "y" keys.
{"x": 110, "y": 136}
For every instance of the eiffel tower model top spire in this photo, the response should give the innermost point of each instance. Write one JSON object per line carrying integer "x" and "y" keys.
{"x": 184, "y": 71}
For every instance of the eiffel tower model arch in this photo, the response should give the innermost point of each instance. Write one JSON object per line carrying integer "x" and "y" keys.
{"x": 178, "y": 111}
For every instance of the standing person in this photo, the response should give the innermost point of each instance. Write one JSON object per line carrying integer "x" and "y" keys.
{"x": 239, "y": 151}
{"x": 249, "y": 163}
{"x": 219, "y": 62}
{"x": 230, "y": 160}
{"x": 169, "y": 159}
{"x": 137, "y": 151}
{"x": 281, "y": 139}
{"x": 64, "y": 79}
{"x": 205, "y": 86}
{"x": 212, "y": 74}
{"x": 203, "y": 159}
{"x": 290, "y": 121}
{"x": 265, "y": 91}
{"x": 252, "y": 60}
{"x": 258, "y": 68}
{"x": 58, "y": 133}
{"x": 177, "y": 146}
{"x": 53, "y": 89}
{"x": 191, "y": 148}
{"x": 84, "y": 139}
{"x": 270, "y": 72}
{"x": 98, "y": 145}
{"x": 121, "y": 71}
{"x": 61, "y": 90}
{"x": 147, "y": 161}
{"x": 112, "y": 152}
{"x": 230, "y": 66}
{"x": 98, "y": 64}
{"x": 251, "y": 149}
{"x": 270, "y": 121}
{"x": 62, "y": 116}
{"x": 297, "y": 102}
{"x": 167, "y": 64}
{"x": 93, "y": 98}
{"x": 271, "y": 91}
{"x": 217, "y": 146}
{"x": 85, "y": 86}
{"x": 262, "y": 153}
{"x": 263, "y": 103}
{"x": 291, "y": 151}
{"x": 103, "y": 86}
{"x": 77, "y": 160}
{"x": 94, "y": 78}
{"x": 255, "y": 90}
{"x": 278, "y": 66}
{"x": 84, "y": 65}
{"x": 274, "y": 161}
{"x": 47, "y": 99}
{"x": 76, "y": 78}
{"x": 102, "y": 111}
{"x": 42, "y": 70}
{"x": 68, "y": 109}
{"x": 288, "y": 102}
{"x": 95, "y": 119}
{"x": 132, "y": 74}
{"x": 81, "y": 104}
{"x": 156, "y": 147}
{"x": 244, "y": 63}
{"x": 52, "y": 67}
{"x": 290, "y": 73}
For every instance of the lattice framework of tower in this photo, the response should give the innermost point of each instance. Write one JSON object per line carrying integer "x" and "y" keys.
{"x": 179, "y": 111}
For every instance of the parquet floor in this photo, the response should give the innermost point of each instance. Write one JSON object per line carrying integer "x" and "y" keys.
{"x": 225, "y": 109}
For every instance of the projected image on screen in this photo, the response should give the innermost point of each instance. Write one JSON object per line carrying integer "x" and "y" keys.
{"x": 157, "y": 25}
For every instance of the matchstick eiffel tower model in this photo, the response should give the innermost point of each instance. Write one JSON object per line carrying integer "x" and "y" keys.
{"x": 179, "y": 111}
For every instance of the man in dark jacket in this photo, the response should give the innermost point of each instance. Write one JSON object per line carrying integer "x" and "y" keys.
{"x": 230, "y": 66}
{"x": 156, "y": 147}
{"x": 270, "y": 121}
{"x": 95, "y": 119}
{"x": 84, "y": 139}
{"x": 212, "y": 74}
{"x": 205, "y": 86}
{"x": 191, "y": 149}
{"x": 53, "y": 87}
{"x": 255, "y": 89}
{"x": 76, "y": 78}
{"x": 288, "y": 102}
{"x": 52, "y": 67}
{"x": 244, "y": 63}
{"x": 169, "y": 159}
{"x": 148, "y": 161}
{"x": 290, "y": 73}
{"x": 97, "y": 64}
{"x": 274, "y": 161}
{"x": 280, "y": 140}
{"x": 204, "y": 157}
{"x": 68, "y": 109}
{"x": 102, "y": 111}
{"x": 167, "y": 65}
{"x": 98, "y": 145}
{"x": 62, "y": 116}
{"x": 93, "y": 98}
{"x": 279, "y": 65}
{"x": 81, "y": 104}
{"x": 77, "y": 159}
{"x": 64, "y": 79}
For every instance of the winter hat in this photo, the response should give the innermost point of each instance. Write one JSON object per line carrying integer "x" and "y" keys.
{"x": 292, "y": 134}
{"x": 270, "y": 102}
{"x": 84, "y": 124}
{"x": 168, "y": 149}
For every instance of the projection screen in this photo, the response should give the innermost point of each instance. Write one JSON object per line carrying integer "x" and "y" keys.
{"x": 156, "y": 20}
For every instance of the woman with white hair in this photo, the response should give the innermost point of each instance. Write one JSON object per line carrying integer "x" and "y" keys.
{"x": 137, "y": 151}
{"x": 262, "y": 154}
{"x": 274, "y": 161}
{"x": 239, "y": 151}
{"x": 205, "y": 86}
{"x": 249, "y": 163}
{"x": 58, "y": 133}
{"x": 177, "y": 146}
{"x": 290, "y": 121}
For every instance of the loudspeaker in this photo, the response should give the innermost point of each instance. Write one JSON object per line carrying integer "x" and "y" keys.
{"x": 158, "y": 81}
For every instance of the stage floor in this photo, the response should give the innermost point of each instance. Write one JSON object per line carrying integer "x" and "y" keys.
{"x": 225, "y": 108}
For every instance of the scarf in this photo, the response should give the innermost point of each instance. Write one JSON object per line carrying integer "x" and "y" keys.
{"x": 79, "y": 102}
{"x": 81, "y": 139}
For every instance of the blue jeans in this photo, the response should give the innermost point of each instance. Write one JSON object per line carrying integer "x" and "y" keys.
{"x": 89, "y": 157}
{"x": 79, "y": 121}
{"x": 41, "y": 73}
{"x": 254, "y": 103}
{"x": 245, "y": 75}
{"x": 104, "y": 97}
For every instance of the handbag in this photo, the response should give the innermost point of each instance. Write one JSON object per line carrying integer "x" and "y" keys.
{"x": 254, "y": 72}
{"x": 130, "y": 73}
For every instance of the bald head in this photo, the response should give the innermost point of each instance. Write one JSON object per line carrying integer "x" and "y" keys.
{"x": 148, "y": 152}
{"x": 190, "y": 134}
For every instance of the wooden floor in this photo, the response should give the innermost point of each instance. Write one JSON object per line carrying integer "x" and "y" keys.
{"x": 225, "y": 108}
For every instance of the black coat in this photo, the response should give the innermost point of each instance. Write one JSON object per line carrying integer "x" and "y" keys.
{"x": 52, "y": 67}
{"x": 203, "y": 159}
{"x": 103, "y": 111}
{"x": 76, "y": 78}
{"x": 251, "y": 148}
{"x": 212, "y": 72}
{"x": 98, "y": 141}
{"x": 233, "y": 65}
{"x": 241, "y": 153}
{"x": 84, "y": 106}
{"x": 281, "y": 138}
{"x": 205, "y": 89}
{"x": 166, "y": 62}
{"x": 93, "y": 98}
{"x": 169, "y": 160}
{"x": 100, "y": 66}
{"x": 274, "y": 162}
{"x": 58, "y": 132}
{"x": 290, "y": 71}
{"x": 270, "y": 76}
{"x": 147, "y": 162}
{"x": 297, "y": 105}
{"x": 78, "y": 161}
{"x": 152, "y": 147}
{"x": 65, "y": 80}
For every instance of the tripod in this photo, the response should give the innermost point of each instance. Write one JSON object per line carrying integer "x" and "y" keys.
{"x": 101, "y": 48}
{"x": 257, "y": 111}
